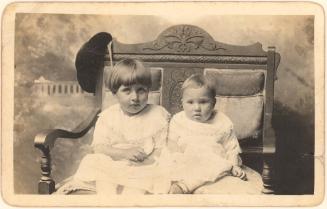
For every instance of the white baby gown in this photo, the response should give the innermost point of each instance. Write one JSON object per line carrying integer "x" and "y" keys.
{"x": 204, "y": 152}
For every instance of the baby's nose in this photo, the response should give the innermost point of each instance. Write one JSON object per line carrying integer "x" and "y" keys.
{"x": 196, "y": 106}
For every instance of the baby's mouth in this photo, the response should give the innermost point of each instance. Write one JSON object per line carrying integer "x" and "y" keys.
{"x": 197, "y": 115}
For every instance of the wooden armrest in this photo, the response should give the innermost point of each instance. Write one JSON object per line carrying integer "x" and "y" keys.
{"x": 46, "y": 139}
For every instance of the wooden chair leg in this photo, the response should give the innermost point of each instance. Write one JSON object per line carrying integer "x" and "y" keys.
{"x": 267, "y": 175}
{"x": 46, "y": 184}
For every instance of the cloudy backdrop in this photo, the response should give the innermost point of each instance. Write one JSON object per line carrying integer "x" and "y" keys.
{"x": 46, "y": 45}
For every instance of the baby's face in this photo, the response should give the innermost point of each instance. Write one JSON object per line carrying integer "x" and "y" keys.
{"x": 132, "y": 99}
{"x": 198, "y": 104}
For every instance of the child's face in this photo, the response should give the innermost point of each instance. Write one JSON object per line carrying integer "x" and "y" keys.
{"x": 132, "y": 99}
{"x": 198, "y": 104}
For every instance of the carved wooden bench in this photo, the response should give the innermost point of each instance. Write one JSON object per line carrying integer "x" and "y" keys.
{"x": 245, "y": 88}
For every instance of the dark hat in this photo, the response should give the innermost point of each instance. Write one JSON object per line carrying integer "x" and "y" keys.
{"x": 90, "y": 59}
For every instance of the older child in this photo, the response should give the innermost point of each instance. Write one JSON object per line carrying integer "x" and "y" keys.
{"x": 201, "y": 141}
{"x": 128, "y": 136}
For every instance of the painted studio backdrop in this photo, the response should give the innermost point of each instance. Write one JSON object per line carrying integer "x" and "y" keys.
{"x": 47, "y": 94}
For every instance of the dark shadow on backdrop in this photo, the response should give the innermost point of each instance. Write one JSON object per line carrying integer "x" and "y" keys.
{"x": 294, "y": 168}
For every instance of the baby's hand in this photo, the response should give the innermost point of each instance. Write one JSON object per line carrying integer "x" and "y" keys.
{"x": 238, "y": 172}
{"x": 135, "y": 154}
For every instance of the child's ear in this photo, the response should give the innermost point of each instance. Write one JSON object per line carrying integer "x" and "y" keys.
{"x": 214, "y": 101}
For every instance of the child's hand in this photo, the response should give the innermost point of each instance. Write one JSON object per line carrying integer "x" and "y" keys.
{"x": 238, "y": 172}
{"x": 135, "y": 154}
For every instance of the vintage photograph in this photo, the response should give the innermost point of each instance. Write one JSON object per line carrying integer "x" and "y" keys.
{"x": 149, "y": 105}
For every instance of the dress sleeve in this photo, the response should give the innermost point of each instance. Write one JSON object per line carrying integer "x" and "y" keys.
{"x": 173, "y": 137}
{"x": 160, "y": 136}
{"x": 232, "y": 147}
{"x": 101, "y": 133}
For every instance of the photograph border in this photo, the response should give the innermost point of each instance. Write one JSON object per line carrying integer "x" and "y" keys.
{"x": 156, "y": 8}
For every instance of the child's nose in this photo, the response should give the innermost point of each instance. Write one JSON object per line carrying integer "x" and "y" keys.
{"x": 134, "y": 96}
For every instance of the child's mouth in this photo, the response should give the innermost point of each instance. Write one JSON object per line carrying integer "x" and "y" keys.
{"x": 135, "y": 105}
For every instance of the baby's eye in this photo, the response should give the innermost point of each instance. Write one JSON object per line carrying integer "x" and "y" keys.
{"x": 203, "y": 102}
{"x": 189, "y": 102}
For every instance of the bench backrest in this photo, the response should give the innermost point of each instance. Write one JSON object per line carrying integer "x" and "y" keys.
{"x": 245, "y": 74}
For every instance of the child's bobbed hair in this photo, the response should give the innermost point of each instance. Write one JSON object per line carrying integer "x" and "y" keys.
{"x": 128, "y": 72}
{"x": 198, "y": 81}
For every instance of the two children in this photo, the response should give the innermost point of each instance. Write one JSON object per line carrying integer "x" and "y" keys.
{"x": 129, "y": 138}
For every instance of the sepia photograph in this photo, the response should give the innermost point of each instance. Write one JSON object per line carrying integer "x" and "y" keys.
{"x": 163, "y": 104}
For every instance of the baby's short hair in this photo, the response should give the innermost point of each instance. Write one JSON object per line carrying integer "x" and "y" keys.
{"x": 198, "y": 81}
{"x": 128, "y": 72}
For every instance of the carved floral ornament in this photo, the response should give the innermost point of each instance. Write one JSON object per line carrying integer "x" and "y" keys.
{"x": 184, "y": 38}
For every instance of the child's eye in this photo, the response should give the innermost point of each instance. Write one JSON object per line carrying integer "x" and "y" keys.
{"x": 141, "y": 90}
{"x": 126, "y": 90}
{"x": 189, "y": 102}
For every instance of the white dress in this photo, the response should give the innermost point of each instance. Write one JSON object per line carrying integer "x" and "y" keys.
{"x": 203, "y": 152}
{"x": 147, "y": 129}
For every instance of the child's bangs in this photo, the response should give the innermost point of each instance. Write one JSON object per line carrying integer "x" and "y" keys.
{"x": 137, "y": 76}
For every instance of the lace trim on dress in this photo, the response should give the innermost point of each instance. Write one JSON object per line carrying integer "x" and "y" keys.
{"x": 216, "y": 128}
{"x": 161, "y": 126}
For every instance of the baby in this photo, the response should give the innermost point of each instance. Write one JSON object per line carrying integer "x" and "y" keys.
{"x": 202, "y": 145}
